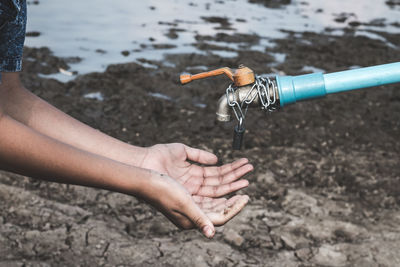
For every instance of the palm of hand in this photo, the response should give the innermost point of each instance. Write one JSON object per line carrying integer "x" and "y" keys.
{"x": 206, "y": 185}
{"x": 210, "y": 181}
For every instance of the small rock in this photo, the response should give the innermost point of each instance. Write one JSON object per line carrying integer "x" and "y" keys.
{"x": 32, "y": 234}
{"x": 354, "y": 23}
{"x": 101, "y": 51}
{"x": 266, "y": 242}
{"x": 47, "y": 226}
{"x": 288, "y": 241}
{"x": 161, "y": 227}
{"x": 277, "y": 241}
{"x": 327, "y": 255}
{"x": 32, "y": 34}
{"x": 267, "y": 178}
{"x": 300, "y": 203}
{"x": 233, "y": 238}
{"x": 304, "y": 254}
{"x": 125, "y": 53}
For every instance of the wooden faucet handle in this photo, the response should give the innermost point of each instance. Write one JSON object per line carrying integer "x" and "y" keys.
{"x": 186, "y": 78}
{"x": 241, "y": 76}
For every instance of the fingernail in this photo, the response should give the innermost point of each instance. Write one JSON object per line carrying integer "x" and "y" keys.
{"x": 208, "y": 231}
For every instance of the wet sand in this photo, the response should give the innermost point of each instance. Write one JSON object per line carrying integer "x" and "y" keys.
{"x": 325, "y": 190}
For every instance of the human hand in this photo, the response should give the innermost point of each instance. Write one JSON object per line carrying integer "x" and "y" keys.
{"x": 186, "y": 211}
{"x": 210, "y": 181}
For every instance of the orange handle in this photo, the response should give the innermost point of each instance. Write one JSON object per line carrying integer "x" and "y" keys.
{"x": 187, "y": 78}
{"x": 242, "y": 76}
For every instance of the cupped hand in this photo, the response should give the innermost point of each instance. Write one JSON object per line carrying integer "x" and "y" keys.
{"x": 187, "y": 211}
{"x": 221, "y": 210}
{"x": 176, "y": 161}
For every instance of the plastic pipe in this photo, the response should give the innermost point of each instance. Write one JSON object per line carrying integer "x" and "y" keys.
{"x": 296, "y": 88}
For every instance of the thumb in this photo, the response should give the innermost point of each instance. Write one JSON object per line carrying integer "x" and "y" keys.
{"x": 200, "y": 156}
{"x": 200, "y": 220}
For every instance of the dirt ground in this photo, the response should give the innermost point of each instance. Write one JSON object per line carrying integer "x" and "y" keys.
{"x": 324, "y": 192}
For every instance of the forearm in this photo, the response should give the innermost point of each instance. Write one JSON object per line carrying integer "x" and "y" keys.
{"x": 27, "y": 152}
{"x": 34, "y": 112}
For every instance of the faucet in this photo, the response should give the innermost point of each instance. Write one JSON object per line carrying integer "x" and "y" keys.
{"x": 243, "y": 79}
{"x": 270, "y": 93}
{"x": 224, "y": 109}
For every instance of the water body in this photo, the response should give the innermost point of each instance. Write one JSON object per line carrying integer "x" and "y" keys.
{"x": 103, "y": 32}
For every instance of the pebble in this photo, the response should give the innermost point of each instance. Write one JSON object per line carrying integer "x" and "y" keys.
{"x": 288, "y": 241}
{"x": 268, "y": 178}
{"x": 328, "y": 256}
{"x": 125, "y": 53}
{"x": 304, "y": 254}
{"x": 233, "y": 238}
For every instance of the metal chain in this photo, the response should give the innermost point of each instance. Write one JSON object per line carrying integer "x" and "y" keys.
{"x": 266, "y": 92}
{"x": 234, "y": 104}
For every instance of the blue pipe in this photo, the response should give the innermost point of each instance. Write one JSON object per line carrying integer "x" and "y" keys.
{"x": 295, "y": 88}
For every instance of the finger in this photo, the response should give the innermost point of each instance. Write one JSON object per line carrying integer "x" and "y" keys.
{"x": 222, "y": 217}
{"x": 199, "y": 218}
{"x": 226, "y": 168}
{"x": 200, "y": 156}
{"x": 229, "y": 177}
{"x": 221, "y": 190}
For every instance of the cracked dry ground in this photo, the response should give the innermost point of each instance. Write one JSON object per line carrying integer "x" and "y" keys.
{"x": 325, "y": 191}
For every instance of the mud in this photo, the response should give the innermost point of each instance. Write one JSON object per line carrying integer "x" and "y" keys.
{"x": 325, "y": 190}
{"x": 271, "y": 3}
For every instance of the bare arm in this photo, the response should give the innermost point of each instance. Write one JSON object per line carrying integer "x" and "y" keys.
{"x": 36, "y": 113}
{"x": 27, "y": 152}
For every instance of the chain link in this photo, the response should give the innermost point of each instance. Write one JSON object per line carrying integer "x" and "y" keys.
{"x": 266, "y": 92}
